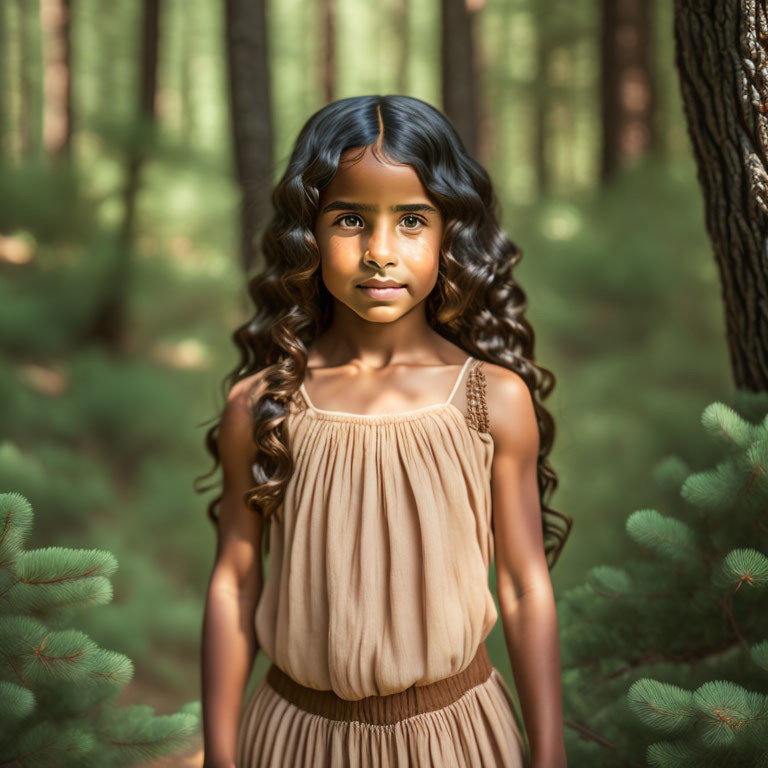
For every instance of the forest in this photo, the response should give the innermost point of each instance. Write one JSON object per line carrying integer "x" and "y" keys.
{"x": 627, "y": 144}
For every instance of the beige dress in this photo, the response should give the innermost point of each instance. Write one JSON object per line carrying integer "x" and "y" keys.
{"x": 378, "y": 580}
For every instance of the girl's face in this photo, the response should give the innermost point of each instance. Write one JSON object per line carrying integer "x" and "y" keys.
{"x": 376, "y": 223}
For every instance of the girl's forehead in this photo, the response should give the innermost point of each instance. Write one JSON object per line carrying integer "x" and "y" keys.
{"x": 368, "y": 174}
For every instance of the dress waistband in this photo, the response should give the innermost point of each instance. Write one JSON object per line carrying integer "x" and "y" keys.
{"x": 383, "y": 710}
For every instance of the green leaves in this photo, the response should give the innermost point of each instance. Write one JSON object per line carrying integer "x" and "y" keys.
{"x": 665, "y": 708}
{"x": 15, "y": 524}
{"x": 607, "y": 580}
{"x": 670, "y": 538}
{"x": 58, "y": 577}
{"x": 16, "y": 701}
{"x": 723, "y": 423}
{"x": 57, "y": 686}
{"x": 710, "y": 719}
{"x": 759, "y": 654}
{"x": 724, "y": 708}
{"x": 742, "y": 567}
{"x": 679, "y": 636}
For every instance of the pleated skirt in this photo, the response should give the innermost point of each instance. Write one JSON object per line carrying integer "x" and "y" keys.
{"x": 466, "y": 721}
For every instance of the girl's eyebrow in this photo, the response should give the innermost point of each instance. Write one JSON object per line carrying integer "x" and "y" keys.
{"x": 340, "y": 205}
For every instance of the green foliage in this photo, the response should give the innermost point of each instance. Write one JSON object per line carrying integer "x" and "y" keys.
{"x": 668, "y": 537}
{"x": 625, "y": 301}
{"x": 666, "y": 708}
{"x": 623, "y": 291}
{"x": 57, "y": 686}
{"x": 667, "y": 644}
{"x": 106, "y": 445}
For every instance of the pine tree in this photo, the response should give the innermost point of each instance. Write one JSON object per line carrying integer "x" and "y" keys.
{"x": 665, "y": 656}
{"x": 57, "y": 687}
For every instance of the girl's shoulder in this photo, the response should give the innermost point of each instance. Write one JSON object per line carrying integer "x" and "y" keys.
{"x": 236, "y": 417}
{"x": 499, "y": 377}
{"x": 509, "y": 399}
{"x": 247, "y": 390}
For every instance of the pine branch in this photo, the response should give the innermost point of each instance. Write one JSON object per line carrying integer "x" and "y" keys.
{"x": 657, "y": 657}
{"x": 587, "y": 734}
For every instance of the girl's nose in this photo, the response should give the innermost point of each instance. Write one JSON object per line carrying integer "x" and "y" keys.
{"x": 380, "y": 244}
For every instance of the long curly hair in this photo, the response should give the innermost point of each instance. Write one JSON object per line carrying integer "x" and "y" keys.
{"x": 476, "y": 303}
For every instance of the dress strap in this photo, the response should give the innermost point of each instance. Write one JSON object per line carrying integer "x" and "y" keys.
{"x": 302, "y": 400}
{"x": 455, "y": 388}
{"x": 477, "y": 408}
{"x": 299, "y": 401}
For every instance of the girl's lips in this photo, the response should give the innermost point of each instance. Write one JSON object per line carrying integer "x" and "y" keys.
{"x": 381, "y": 293}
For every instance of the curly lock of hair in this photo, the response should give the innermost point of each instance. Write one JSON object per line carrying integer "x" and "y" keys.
{"x": 476, "y": 302}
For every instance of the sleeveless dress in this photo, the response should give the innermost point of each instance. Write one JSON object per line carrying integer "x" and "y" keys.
{"x": 378, "y": 581}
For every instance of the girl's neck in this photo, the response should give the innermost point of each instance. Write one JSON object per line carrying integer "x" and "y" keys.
{"x": 376, "y": 345}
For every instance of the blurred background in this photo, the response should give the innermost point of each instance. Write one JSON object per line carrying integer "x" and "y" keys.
{"x": 122, "y": 265}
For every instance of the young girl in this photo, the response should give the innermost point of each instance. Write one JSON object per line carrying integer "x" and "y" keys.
{"x": 383, "y": 436}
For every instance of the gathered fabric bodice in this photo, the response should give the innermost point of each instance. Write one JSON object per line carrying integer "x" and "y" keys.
{"x": 378, "y": 567}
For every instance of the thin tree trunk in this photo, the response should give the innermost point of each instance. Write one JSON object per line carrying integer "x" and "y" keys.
{"x": 25, "y": 84}
{"x": 459, "y": 70}
{"x": 328, "y": 65}
{"x": 721, "y": 55}
{"x": 5, "y": 123}
{"x": 627, "y": 85}
{"x": 402, "y": 35}
{"x": 188, "y": 54}
{"x": 110, "y": 321}
{"x": 108, "y": 29}
{"x": 541, "y": 98}
{"x": 251, "y": 116}
{"x": 486, "y": 113}
{"x": 147, "y": 114}
{"x": 57, "y": 77}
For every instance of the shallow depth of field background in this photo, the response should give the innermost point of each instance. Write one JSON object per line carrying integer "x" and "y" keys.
{"x": 622, "y": 286}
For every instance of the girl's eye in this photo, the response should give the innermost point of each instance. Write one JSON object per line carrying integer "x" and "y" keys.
{"x": 416, "y": 219}
{"x": 348, "y": 216}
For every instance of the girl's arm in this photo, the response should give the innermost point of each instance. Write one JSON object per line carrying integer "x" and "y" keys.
{"x": 229, "y": 640}
{"x": 526, "y": 598}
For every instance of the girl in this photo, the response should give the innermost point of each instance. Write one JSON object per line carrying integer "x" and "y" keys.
{"x": 383, "y": 436}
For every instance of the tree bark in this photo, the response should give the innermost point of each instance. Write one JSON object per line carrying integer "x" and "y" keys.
{"x": 461, "y": 102}
{"x": 5, "y": 118}
{"x": 328, "y": 65}
{"x": 541, "y": 98}
{"x": 627, "y": 87}
{"x": 251, "y": 116}
{"x": 188, "y": 56}
{"x": 721, "y": 55}
{"x": 109, "y": 323}
{"x": 25, "y": 85}
{"x": 57, "y": 78}
{"x": 401, "y": 26}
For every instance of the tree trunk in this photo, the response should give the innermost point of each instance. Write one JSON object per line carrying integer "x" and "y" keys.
{"x": 328, "y": 65}
{"x": 627, "y": 87}
{"x": 109, "y": 29}
{"x": 720, "y": 53}
{"x": 460, "y": 82}
{"x": 110, "y": 321}
{"x": 251, "y": 116}
{"x": 57, "y": 77}
{"x": 5, "y": 122}
{"x": 25, "y": 84}
{"x": 402, "y": 35}
{"x": 541, "y": 97}
{"x": 188, "y": 56}
{"x": 147, "y": 115}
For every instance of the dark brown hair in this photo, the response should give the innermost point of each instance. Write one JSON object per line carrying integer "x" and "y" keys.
{"x": 476, "y": 303}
